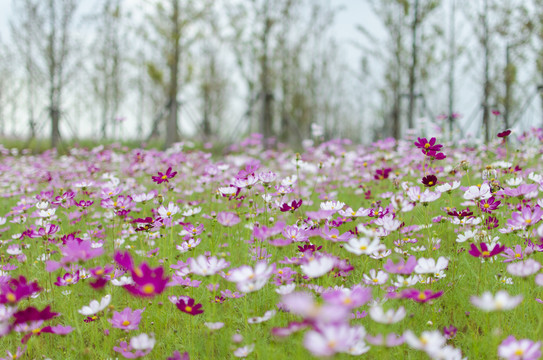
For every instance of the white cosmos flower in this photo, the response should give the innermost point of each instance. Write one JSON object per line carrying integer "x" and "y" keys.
{"x": 426, "y": 266}
{"x": 142, "y": 342}
{"x": 466, "y": 236}
{"x": 363, "y": 246}
{"x": 285, "y": 289}
{"x": 244, "y": 351}
{"x": 478, "y": 192}
{"x": 332, "y": 205}
{"x": 389, "y": 317}
{"x": 318, "y": 267}
{"x": 429, "y": 341}
{"x": 448, "y": 187}
{"x": 501, "y": 301}
{"x": 122, "y": 281}
{"x": 259, "y": 319}
{"x": 95, "y": 307}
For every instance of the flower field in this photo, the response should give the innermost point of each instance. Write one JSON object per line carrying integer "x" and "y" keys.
{"x": 416, "y": 248}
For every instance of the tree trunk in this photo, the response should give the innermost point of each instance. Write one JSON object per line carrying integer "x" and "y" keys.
{"x": 412, "y": 69}
{"x": 267, "y": 97}
{"x": 452, "y": 59}
{"x": 486, "y": 86}
{"x": 172, "y": 132}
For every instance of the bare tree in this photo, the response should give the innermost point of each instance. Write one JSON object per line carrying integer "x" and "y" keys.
{"x": 172, "y": 33}
{"x": 107, "y": 72}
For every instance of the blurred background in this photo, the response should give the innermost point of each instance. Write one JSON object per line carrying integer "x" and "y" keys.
{"x": 215, "y": 71}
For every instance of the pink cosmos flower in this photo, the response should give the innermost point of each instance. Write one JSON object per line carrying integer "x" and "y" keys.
{"x": 188, "y": 306}
{"x": 402, "y": 266}
{"x": 516, "y": 254}
{"x": 526, "y": 217}
{"x": 126, "y": 319}
{"x": 350, "y": 298}
{"x": 228, "y": 218}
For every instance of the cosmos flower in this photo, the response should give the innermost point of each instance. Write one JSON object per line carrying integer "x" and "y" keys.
{"x": 402, "y": 266}
{"x": 391, "y": 316}
{"x": 207, "y": 266}
{"x": 523, "y": 349}
{"x": 501, "y": 301}
{"x": 164, "y": 177}
{"x": 147, "y": 281}
{"x": 330, "y": 340}
{"x": 318, "y": 267}
{"x": 429, "y": 180}
{"x": 126, "y": 319}
{"x": 485, "y": 252}
{"x": 15, "y": 290}
{"x": 363, "y": 246}
{"x": 188, "y": 306}
{"x": 95, "y": 307}
{"x": 244, "y": 351}
{"x": 524, "y": 268}
{"x": 420, "y": 296}
{"x": 428, "y": 266}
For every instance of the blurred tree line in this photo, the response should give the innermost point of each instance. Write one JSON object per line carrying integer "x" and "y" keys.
{"x": 173, "y": 65}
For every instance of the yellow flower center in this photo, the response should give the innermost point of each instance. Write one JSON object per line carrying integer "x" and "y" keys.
{"x": 69, "y": 280}
{"x": 138, "y": 272}
{"x": 518, "y": 255}
{"x": 375, "y": 280}
{"x": 11, "y": 297}
{"x": 363, "y": 247}
{"x": 36, "y": 331}
{"x": 126, "y": 323}
{"x": 168, "y": 213}
{"x": 334, "y": 236}
{"x": 188, "y": 308}
{"x": 114, "y": 203}
{"x": 427, "y": 145}
{"x": 332, "y": 344}
{"x": 486, "y": 253}
{"x": 519, "y": 352}
{"x": 347, "y": 300}
{"x": 148, "y": 288}
{"x": 421, "y": 296}
{"x": 164, "y": 177}
{"x": 99, "y": 272}
{"x": 528, "y": 221}
{"x": 486, "y": 206}
{"x": 430, "y": 183}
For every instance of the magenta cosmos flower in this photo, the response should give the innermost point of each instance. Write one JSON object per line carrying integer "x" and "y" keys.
{"x": 489, "y": 205}
{"x": 187, "y": 305}
{"x": 426, "y": 145}
{"x": 292, "y": 206}
{"x": 485, "y": 252}
{"x": 147, "y": 281}
{"x": 526, "y": 217}
{"x": 420, "y": 296}
{"x": 17, "y": 289}
{"x": 164, "y": 177}
{"x": 126, "y": 319}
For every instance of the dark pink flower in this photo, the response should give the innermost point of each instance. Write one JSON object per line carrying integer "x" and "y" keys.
{"x": 148, "y": 282}
{"x": 420, "y": 296}
{"x": 164, "y": 177}
{"x": 17, "y": 289}
{"x": 188, "y": 306}
{"x": 485, "y": 252}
